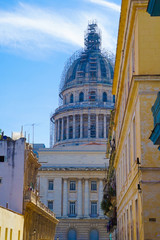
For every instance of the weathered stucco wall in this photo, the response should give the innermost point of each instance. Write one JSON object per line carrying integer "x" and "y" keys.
{"x": 11, "y": 225}
{"x": 12, "y": 173}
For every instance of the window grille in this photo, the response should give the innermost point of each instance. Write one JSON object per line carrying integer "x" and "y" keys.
{"x": 72, "y": 208}
{"x": 94, "y": 208}
{"x": 93, "y": 186}
{"x": 72, "y": 185}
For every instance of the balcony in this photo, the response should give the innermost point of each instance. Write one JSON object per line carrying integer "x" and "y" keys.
{"x": 32, "y": 200}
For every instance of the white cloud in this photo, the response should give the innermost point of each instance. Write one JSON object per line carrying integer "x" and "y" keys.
{"x": 107, "y": 4}
{"x": 29, "y": 28}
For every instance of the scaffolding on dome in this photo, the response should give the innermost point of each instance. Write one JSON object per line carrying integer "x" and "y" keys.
{"x": 67, "y": 65}
{"x": 100, "y": 65}
{"x": 92, "y": 39}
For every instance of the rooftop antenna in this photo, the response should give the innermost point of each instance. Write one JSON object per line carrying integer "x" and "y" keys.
{"x": 21, "y": 131}
{"x": 33, "y": 133}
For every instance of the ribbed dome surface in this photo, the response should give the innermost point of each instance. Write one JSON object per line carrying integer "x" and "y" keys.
{"x": 91, "y": 65}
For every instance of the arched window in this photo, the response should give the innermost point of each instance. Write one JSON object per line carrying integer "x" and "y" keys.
{"x": 81, "y": 97}
{"x": 104, "y": 97}
{"x": 71, "y": 98}
{"x": 72, "y": 235}
{"x": 94, "y": 235}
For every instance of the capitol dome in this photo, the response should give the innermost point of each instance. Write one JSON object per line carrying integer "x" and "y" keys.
{"x": 86, "y": 95}
{"x": 90, "y": 64}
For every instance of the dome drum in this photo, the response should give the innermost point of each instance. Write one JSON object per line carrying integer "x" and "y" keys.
{"x": 81, "y": 127}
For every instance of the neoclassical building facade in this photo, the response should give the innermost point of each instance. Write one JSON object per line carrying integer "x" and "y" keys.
{"x": 73, "y": 170}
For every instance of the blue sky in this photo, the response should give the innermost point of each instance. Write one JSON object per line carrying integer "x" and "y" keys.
{"x": 36, "y": 39}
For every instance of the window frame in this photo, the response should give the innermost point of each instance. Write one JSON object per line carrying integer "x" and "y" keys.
{"x": 49, "y": 180}
{"x": 71, "y": 184}
{"x": 50, "y": 201}
{"x": 94, "y": 209}
{"x": 72, "y": 208}
{"x": 93, "y": 189}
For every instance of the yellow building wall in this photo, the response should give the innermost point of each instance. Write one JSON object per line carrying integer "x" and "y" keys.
{"x": 11, "y": 225}
{"x": 136, "y": 86}
{"x": 148, "y": 43}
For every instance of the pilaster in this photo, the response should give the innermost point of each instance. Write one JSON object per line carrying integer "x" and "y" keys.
{"x": 65, "y": 198}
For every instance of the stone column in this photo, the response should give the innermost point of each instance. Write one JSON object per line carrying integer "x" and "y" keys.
{"x": 65, "y": 198}
{"x": 67, "y": 129}
{"x": 62, "y": 129}
{"x": 55, "y": 129}
{"x": 81, "y": 125}
{"x": 100, "y": 197}
{"x": 104, "y": 126}
{"x": 74, "y": 127}
{"x": 58, "y": 129}
{"x": 86, "y": 198}
{"x": 89, "y": 126}
{"x": 97, "y": 126}
{"x": 79, "y": 198}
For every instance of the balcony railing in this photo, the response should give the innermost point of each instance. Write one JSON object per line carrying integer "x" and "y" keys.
{"x": 33, "y": 198}
{"x": 85, "y": 104}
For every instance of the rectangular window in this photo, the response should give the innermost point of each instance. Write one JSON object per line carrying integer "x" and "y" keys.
{"x": 0, "y": 180}
{"x": 72, "y": 208}
{"x": 94, "y": 208}
{"x": 50, "y": 205}
{"x": 131, "y": 222}
{"x": 93, "y": 186}
{"x": 50, "y": 184}
{"x": 129, "y": 152}
{"x": 72, "y": 185}
{"x": 1, "y": 158}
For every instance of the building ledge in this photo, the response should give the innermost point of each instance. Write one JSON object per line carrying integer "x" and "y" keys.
{"x": 83, "y": 105}
{"x": 31, "y": 201}
{"x": 54, "y": 168}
